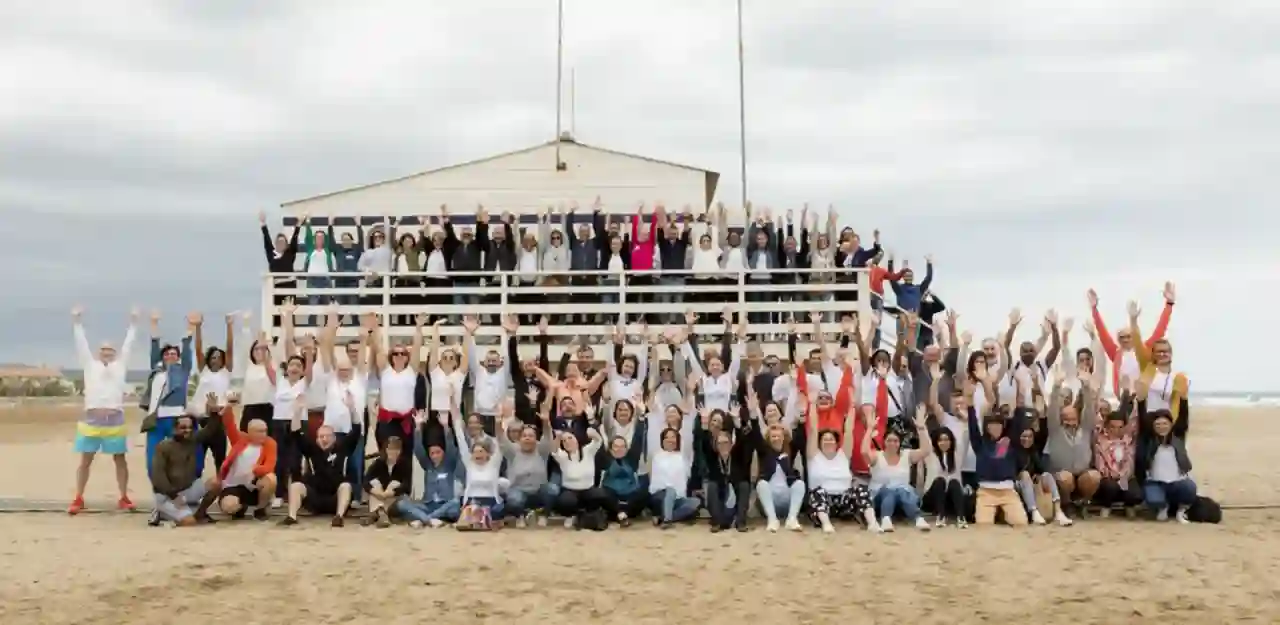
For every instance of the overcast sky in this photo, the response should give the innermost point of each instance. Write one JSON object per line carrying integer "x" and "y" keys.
{"x": 1035, "y": 148}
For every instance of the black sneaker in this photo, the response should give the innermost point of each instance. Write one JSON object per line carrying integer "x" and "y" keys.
{"x": 203, "y": 518}
{"x": 260, "y": 514}
{"x": 716, "y": 529}
{"x": 287, "y": 521}
{"x": 337, "y": 522}
{"x": 154, "y": 519}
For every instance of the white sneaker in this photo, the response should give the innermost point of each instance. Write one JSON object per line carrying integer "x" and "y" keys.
{"x": 437, "y": 523}
{"x": 521, "y": 523}
{"x": 542, "y": 520}
{"x": 793, "y": 525}
{"x": 1163, "y": 514}
{"x": 828, "y": 528}
{"x": 415, "y": 524}
{"x": 922, "y": 524}
{"x": 1104, "y": 513}
{"x": 277, "y": 503}
{"x": 1037, "y": 518}
{"x": 1181, "y": 516}
{"x": 886, "y": 524}
{"x": 568, "y": 523}
{"x": 962, "y": 524}
{"x": 941, "y": 521}
{"x": 772, "y": 525}
{"x": 874, "y": 528}
{"x": 1062, "y": 519}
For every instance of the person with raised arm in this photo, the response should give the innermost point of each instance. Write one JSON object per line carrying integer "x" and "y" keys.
{"x": 346, "y": 259}
{"x": 527, "y": 458}
{"x": 259, "y": 370}
{"x": 717, "y": 382}
{"x": 625, "y": 497}
{"x": 101, "y": 428}
{"x": 445, "y": 369}
{"x": 833, "y": 493}
{"x": 946, "y": 354}
{"x": 247, "y": 478}
{"x": 791, "y": 253}
{"x": 318, "y": 262}
{"x": 1028, "y": 361}
{"x": 439, "y": 462}
{"x": 1163, "y": 466}
{"x": 435, "y": 266}
{"x": 1030, "y": 425}
{"x": 215, "y": 367}
{"x": 465, "y": 250}
{"x": 674, "y": 247}
{"x": 325, "y": 486}
{"x": 1121, "y": 351}
{"x": 578, "y": 492}
{"x": 528, "y": 264}
{"x": 907, "y": 293}
{"x": 1114, "y": 450}
{"x": 779, "y": 489}
{"x": 281, "y": 256}
{"x": 949, "y": 474}
{"x": 669, "y": 472}
{"x": 642, "y": 254}
{"x": 176, "y": 479}
{"x": 627, "y": 372}
{"x": 375, "y": 262}
{"x": 1165, "y": 388}
{"x": 884, "y": 386}
{"x": 760, "y": 260}
{"x": 482, "y": 457}
{"x": 397, "y": 382}
{"x": 1070, "y": 443}
{"x": 891, "y": 490}
{"x": 523, "y": 372}
{"x": 996, "y": 466}
{"x": 165, "y": 396}
{"x": 1091, "y": 358}
{"x": 490, "y": 380}
{"x": 289, "y": 395}
{"x": 555, "y": 260}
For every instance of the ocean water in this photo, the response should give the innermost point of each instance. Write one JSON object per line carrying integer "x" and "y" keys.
{"x": 1237, "y": 399}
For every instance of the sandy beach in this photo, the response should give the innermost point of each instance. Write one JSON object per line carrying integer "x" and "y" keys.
{"x": 111, "y": 568}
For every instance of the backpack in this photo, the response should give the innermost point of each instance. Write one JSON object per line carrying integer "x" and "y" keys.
{"x": 474, "y": 518}
{"x": 594, "y": 520}
{"x": 1205, "y": 510}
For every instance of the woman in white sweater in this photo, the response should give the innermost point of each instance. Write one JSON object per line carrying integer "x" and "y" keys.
{"x": 891, "y": 489}
{"x": 483, "y": 462}
{"x": 578, "y": 492}
{"x": 669, "y": 469}
{"x": 717, "y": 381}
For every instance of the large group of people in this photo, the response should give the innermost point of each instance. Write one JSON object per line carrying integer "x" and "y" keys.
{"x": 854, "y": 431}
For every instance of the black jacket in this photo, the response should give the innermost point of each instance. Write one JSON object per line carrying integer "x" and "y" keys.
{"x": 325, "y": 470}
{"x": 501, "y": 255}
{"x": 466, "y": 256}
{"x": 284, "y": 262}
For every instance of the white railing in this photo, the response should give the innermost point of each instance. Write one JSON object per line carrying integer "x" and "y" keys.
{"x": 503, "y": 294}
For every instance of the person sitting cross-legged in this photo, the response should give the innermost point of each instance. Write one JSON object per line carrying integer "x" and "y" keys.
{"x": 174, "y": 479}
{"x": 247, "y": 477}
{"x": 324, "y": 488}
{"x": 439, "y": 462}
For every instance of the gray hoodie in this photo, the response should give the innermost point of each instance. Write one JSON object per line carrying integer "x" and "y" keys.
{"x": 1071, "y": 451}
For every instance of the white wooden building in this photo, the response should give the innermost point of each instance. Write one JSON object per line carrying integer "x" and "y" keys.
{"x": 520, "y": 182}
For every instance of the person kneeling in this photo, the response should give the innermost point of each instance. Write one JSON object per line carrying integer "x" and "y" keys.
{"x": 324, "y": 488}
{"x": 247, "y": 476}
{"x": 173, "y": 473}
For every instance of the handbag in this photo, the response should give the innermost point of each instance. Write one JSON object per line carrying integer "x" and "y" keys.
{"x": 474, "y": 517}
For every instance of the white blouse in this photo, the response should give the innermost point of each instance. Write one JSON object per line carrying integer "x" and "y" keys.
{"x": 668, "y": 470}
{"x": 832, "y": 475}
{"x": 216, "y": 382}
{"x": 286, "y": 397}
{"x": 396, "y": 394}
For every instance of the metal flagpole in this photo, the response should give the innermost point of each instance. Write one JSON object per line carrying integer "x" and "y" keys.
{"x": 742, "y": 110}
{"x": 559, "y": 76}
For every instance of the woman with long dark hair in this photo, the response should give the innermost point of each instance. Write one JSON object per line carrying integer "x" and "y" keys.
{"x": 215, "y": 367}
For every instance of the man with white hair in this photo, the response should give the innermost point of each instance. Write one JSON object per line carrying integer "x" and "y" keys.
{"x": 101, "y": 427}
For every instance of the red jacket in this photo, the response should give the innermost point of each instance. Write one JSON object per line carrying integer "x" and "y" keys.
{"x": 642, "y": 251}
{"x": 878, "y": 275}
{"x": 239, "y": 440}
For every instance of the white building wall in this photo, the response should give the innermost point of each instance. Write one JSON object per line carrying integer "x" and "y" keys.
{"x": 521, "y": 183}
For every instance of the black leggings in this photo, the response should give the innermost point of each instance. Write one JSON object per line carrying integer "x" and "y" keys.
{"x": 946, "y": 498}
{"x": 1109, "y": 493}
{"x": 288, "y": 456}
{"x": 217, "y": 446}
{"x": 571, "y": 502}
{"x": 632, "y": 505}
{"x": 250, "y": 412}
{"x": 722, "y": 515}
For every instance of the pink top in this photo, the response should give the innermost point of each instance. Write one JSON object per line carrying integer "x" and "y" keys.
{"x": 641, "y": 251}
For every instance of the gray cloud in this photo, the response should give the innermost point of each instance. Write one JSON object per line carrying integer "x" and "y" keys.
{"x": 1036, "y": 146}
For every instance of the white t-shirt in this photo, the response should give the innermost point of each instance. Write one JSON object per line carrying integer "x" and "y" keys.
{"x": 668, "y": 470}
{"x": 440, "y": 384}
{"x": 257, "y": 385}
{"x": 960, "y": 432}
{"x": 396, "y": 394}
{"x": 1164, "y": 466}
{"x": 336, "y": 413}
{"x": 216, "y": 382}
{"x": 482, "y": 479}
{"x": 832, "y": 475}
{"x": 286, "y": 398}
{"x": 435, "y": 264}
{"x": 885, "y": 475}
{"x": 615, "y": 264}
{"x": 241, "y": 473}
{"x": 870, "y": 384}
{"x": 1007, "y": 388}
{"x": 317, "y": 263}
{"x": 318, "y": 391}
{"x": 1160, "y": 392}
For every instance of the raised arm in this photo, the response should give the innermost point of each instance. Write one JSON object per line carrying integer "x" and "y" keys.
{"x": 328, "y": 336}
{"x": 1051, "y": 321}
{"x": 415, "y": 349}
{"x": 922, "y": 433}
{"x": 1140, "y": 348}
{"x": 186, "y": 360}
{"x": 1108, "y": 344}
{"x": 686, "y": 350}
{"x": 1162, "y": 323}
{"x": 471, "y": 355}
{"x": 84, "y": 357}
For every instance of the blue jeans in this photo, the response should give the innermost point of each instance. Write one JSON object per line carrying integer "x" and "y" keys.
{"x": 317, "y": 299}
{"x": 425, "y": 511}
{"x": 163, "y": 430}
{"x": 348, "y": 300}
{"x": 888, "y": 500}
{"x": 780, "y": 502}
{"x": 609, "y": 298}
{"x": 668, "y": 505}
{"x": 519, "y": 502}
{"x": 1169, "y": 495}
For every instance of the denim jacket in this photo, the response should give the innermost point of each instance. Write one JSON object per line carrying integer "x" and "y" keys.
{"x": 176, "y": 375}
{"x": 437, "y": 481}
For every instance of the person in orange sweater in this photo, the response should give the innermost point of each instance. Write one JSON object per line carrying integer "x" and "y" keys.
{"x": 247, "y": 477}
{"x": 1120, "y": 351}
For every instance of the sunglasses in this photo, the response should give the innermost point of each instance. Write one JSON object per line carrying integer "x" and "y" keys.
{"x": 771, "y": 363}
{"x": 664, "y": 369}
{"x": 399, "y": 353}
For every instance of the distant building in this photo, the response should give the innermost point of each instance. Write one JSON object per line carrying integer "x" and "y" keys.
{"x": 22, "y": 380}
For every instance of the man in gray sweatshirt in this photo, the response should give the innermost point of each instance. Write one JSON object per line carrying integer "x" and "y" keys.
{"x": 527, "y": 467}
{"x": 1070, "y": 443}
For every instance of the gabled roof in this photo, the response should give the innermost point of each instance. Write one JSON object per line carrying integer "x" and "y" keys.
{"x": 712, "y": 178}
